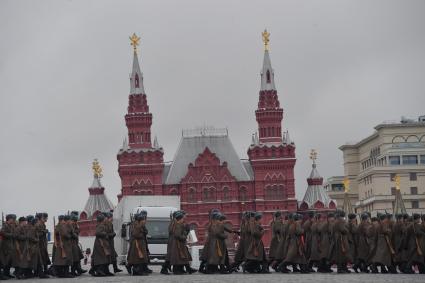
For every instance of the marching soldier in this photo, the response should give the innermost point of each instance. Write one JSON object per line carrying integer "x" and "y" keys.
{"x": 111, "y": 237}
{"x": 314, "y": 258}
{"x": 166, "y": 267}
{"x": 138, "y": 253}
{"x": 325, "y": 243}
{"x": 384, "y": 250}
{"x": 281, "y": 249}
{"x": 295, "y": 245}
{"x": 398, "y": 239}
{"x": 255, "y": 254}
{"x": 62, "y": 256}
{"x": 276, "y": 227}
{"x": 352, "y": 237}
{"x": 77, "y": 254}
{"x": 101, "y": 256}
{"x": 180, "y": 255}
{"x": 42, "y": 232}
{"x": 205, "y": 252}
{"x": 308, "y": 238}
{"x": 217, "y": 246}
{"x": 8, "y": 248}
{"x": 363, "y": 247}
{"x": 415, "y": 233}
{"x": 240, "y": 249}
{"x": 339, "y": 250}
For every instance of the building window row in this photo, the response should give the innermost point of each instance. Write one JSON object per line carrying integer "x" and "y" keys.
{"x": 406, "y": 159}
{"x": 209, "y": 194}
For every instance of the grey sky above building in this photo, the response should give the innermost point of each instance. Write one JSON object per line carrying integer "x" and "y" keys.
{"x": 341, "y": 67}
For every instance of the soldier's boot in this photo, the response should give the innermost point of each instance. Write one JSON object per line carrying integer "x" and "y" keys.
{"x": 67, "y": 272}
{"x": 304, "y": 268}
{"x": 189, "y": 269}
{"x": 106, "y": 270}
{"x": 282, "y": 267}
{"x": 2, "y": 276}
{"x": 384, "y": 269}
{"x": 41, "y": 273}
{"x": 310, "y": 267}
{"x": 146, "y": 269}
{"x": 6, "y": 272}
{"x": 164, "y": 270}
{"x": 295, "y": 268}
{"x": 392, "y": 269}
{"x": 340, "y": 268}
{"x": 178, "y": 270}
{"x": 373, "y": 268}
{"x": 265, "y": 268}
{"x": 203, "y": 267}
{"x": 98, "y": 271}
{"x": 80, "y": 269}
{"x": 74, "y": 270}
{"x": 116, "y": 269}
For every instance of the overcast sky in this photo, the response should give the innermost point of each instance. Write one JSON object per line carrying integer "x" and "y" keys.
{"x": 341, "y": 67}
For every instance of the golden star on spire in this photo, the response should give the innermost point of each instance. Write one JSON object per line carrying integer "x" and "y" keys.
{"x": 313, "y": 155}
{"x": 266, "y": 39}
{"x": 97, "y": 170}
{"x": 134, "y": 39}
{"x": 346, "y": 183}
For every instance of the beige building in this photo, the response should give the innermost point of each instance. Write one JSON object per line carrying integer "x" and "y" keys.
{"x": 372, "y": 163}
{"x": 335, "y": 188}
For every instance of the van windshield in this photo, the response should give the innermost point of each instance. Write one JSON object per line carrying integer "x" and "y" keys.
{"x": 157, "y": 229}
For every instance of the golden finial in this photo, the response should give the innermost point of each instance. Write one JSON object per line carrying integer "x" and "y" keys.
{"x": 397, "y": 181}
{"x": 134, "y": 41}
{"x": 346, "y": 183}
{"x": 266, "y": 39}
{"x": 97, "y": 170}
{"x": 313, "y": 155}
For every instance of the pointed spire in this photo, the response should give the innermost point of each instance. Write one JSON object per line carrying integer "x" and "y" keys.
{"x": 125, "y": 144}
{"x": 399, "y": 203}
{"x": 267, "y": 73}
{"x": 257, "y": 140}
{"x": 155, "y": 143}
{"x": 136, "y": 77}
{"x": 284, "y": 139}
{"x": 253, "y": 139}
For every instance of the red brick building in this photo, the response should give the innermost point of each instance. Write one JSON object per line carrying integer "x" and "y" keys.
{"x": 206, "y": 171}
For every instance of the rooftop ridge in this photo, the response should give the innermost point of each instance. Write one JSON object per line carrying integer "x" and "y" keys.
{"x": 205, "y": 131}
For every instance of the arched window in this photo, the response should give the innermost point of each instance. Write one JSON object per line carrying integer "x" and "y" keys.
{"x": 226, "y": 194}
{"x": 191, "y": 196}
{"x": 268, "y": 76}
{"x": 209, "y": 194}
{"x": 243, "y": 194}
{"x": 136, "y": 81}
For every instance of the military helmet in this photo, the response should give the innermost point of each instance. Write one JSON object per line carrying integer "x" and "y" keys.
{"x": 100, "y": 217}
{"x": 258, "y": 216}
{"x": 277, "y": 214}
{"x": 364, "y": 216}
{"x": 352, "y": 216}
{"x": 22, "y": 219}
{"x": 10, "y": 216}
{"x": 416, "y": 216}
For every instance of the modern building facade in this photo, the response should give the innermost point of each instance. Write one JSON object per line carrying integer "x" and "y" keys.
{"x": 372, "y": 164}
{"x": 334, "y": 187}
{"x": 206, "y": 171}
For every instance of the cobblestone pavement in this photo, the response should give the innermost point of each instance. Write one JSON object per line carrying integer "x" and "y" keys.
{"x": 245, "y": 278}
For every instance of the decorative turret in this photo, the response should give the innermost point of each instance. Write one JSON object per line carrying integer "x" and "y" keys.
{"x": 140, "y": 161}
{"x": 97, "y": 203}
{"x": 316, "y": 198}
{"x": 269, "y": 114}
{"x": 138, "y": 118}
{"x": 346, "y": 206}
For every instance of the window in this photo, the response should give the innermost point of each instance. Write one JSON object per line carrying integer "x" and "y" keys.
{"x": 394, "y": 160}
{"x": 268, "y": 76}
{"x": 392, "y": 176}
{"x": 413, "y": 190}
{"x": 242, "y": 194}
{"x": 413, "y": 177}
{"x": 393, "y": 190}
{"x": 410, "y": 159}
{"x": 209, "y": 194}
{"x": 226, "y": 194}
{"x": 422, "y": 159}
{"x": 415, "y": 204}
{"x": 191, "y": 197}
{"x": 136, "y": 81}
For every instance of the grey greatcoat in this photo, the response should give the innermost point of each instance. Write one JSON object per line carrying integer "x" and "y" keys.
{"x": 382, "y": 253}
{"x": 398, "y": 240}
{"x": 217, "y": 245}
{"x": 315, "y": 242}
{"x": 111, "y": 237}
{"x": 281, "y": 249}
{"x": 101, "y": 249}
{"x": 325, "y": 239}
{"x": 307, "y": 237}
{"x": 415, "y": 232}
{"x": 240, "y": 250}
{"x": 77, "y": 254}
{"x": 8, "y": 255}
{"x": 295, "y": 245}
{"x": 179, "y": 252}
{"x": 138, "y": 251}
{"x": 276, "y": 227}
{"x": 42, "y": 242}
{"x": 63, "y": 247}
{"x": 254, "y": 244}
{"x": 339, "y": 251}
{"x": 363, "y": 248}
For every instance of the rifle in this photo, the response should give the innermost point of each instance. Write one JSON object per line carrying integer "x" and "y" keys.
{"x": 418, "y": 246}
